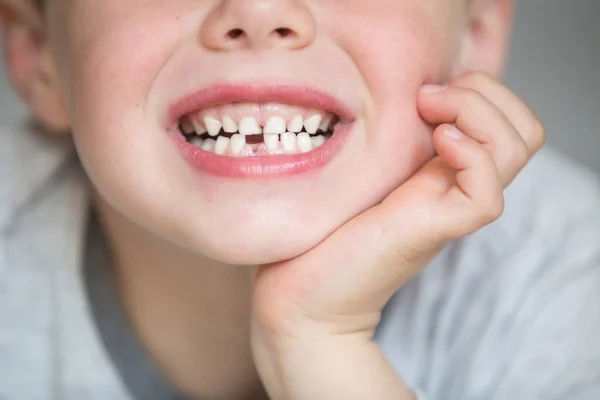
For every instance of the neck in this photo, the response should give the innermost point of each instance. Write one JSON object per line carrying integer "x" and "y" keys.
{"x": 191, "y": 313}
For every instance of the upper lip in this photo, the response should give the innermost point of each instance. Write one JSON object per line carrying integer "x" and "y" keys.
{"x": 304, "y": 96}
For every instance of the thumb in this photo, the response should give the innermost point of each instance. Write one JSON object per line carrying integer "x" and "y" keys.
{"x": 357, "y": 269}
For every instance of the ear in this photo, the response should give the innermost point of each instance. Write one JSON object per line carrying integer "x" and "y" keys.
{"x": 29, "y": 64}
{"x": 486, "y": 37}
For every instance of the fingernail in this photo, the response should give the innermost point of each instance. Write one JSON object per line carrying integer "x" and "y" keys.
{"x": 432, "y": 88}
{"x": 453, "y": 133}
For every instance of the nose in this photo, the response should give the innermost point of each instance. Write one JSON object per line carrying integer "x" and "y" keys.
{"x": 247, "y": 24}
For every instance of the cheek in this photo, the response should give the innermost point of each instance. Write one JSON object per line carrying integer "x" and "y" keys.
{"x": 400, "y": 48}
{"x": 110, "y": 56}
{"x": 114, "y": 53}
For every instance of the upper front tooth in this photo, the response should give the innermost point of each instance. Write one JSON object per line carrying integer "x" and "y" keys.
{"x": 288, "y": 140}
{"x": 274, "y": 125}
{"x": 213, "y": 125}
{"x": 296, "y": 124}
{"x": 326, "y": 123}
{"x": 199, "y": 127}
{"x": 229, "y": 124}
{"x": 238, "y": 142}
{"x": 222, "y": 145}
{"x": 304, "y": 143}
{"x": 249, "y": 126}
{"x": 312, "y": 124}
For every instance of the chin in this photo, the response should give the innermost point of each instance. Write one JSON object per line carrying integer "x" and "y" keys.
{"x": 260, "y": 239}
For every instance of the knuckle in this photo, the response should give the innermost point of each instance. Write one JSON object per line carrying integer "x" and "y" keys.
{"x": 520, "y": 155}
{"x": 493, "y": 209}
{"x": 473, "y": 97}
{"x": 537, "y": 133}
{"x": 484, "y": 157}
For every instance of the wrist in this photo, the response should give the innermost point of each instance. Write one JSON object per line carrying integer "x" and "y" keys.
{"x": 328, "y": 367}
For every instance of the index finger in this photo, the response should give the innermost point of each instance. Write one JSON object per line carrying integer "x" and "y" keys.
{"x": 520, "y": 115}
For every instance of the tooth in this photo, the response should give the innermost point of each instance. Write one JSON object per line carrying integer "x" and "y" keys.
{"x": 238, "y": 142}
{"x": 249, "y": 126}
{"x": 187, "y": 127}
{"x": 229, "y": 124}
{"x": 288, "y": 139}
{"x": 326, "y": 122}
{"x": 275, "y": 125}
{"x": 271, "y": 141}
{"x": 304, "y": 143}
{"x": 209, "y": 144}
{"x": 196, "y": 141}
{"x": 213, "y": 125}
{"x": 296, "y": 124}
{"x": 312, "y": 124}
{"x": 317, "y": 141}
{"x": 199, "y": 127}
{"x": 222, "y": 145}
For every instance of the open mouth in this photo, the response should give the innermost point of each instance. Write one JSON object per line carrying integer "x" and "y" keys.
{"x": 258, "y": 129}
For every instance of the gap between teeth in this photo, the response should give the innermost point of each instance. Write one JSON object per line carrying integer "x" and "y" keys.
{"x": 299, "y": 135}
{"x": 273, "y": 144}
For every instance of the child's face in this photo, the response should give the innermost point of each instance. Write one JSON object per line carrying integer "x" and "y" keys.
{"x": 125, "y": 63}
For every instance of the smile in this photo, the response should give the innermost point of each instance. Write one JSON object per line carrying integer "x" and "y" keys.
{"x": 251, "y": 130}
{"x": 259, "y": 130}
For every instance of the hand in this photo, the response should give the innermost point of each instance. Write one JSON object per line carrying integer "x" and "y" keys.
{"x": 314, "y": 316}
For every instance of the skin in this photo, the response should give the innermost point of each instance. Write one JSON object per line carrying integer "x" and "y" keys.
{"x": 243, "y": 273}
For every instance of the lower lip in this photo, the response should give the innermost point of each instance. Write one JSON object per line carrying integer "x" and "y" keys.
{"x": 262, "y": 167}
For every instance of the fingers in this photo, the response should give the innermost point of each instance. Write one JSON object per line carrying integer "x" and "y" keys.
{"x": 477, "y": 198}
{"x": 488, "y": 112}
{"x": 520, "y": 115}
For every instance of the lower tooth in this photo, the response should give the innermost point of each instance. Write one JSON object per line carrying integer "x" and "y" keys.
{"x": 196, "y": 141}
{"x": 237, "y": 144}
{"x": 304, "y": 143}
{"x": 288, "y": 140}
{"x": 221, "y": 145}
{"x": 317, "y": 141}
{"x": 271, "y": 141}
{"x": 209, "y": 144}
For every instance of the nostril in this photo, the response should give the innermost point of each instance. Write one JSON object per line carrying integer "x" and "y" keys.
{"x": 235, "y": 33}
{"x": 284, "y": 32}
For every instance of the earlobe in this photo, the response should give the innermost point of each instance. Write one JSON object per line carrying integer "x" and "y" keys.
{"x": 31, "y": 71}
{"x": 486, "y": 37}
{"x": 45, "y": 96}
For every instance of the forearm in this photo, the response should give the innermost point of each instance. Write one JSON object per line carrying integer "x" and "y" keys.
{"x": 333, "y": 368}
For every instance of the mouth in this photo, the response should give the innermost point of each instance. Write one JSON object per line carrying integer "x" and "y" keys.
{"x": 255, "y": 130}
{"x": 258, "y": 130}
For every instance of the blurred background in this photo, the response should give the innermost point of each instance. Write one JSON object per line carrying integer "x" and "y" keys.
{"x": 554, "y": 67}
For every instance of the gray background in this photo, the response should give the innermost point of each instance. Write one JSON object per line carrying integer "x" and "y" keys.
{"x": 554, "y": 67}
